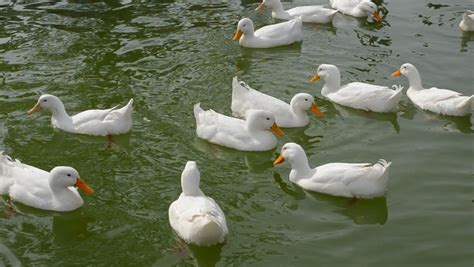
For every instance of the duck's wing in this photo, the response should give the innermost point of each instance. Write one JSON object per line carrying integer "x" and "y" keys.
{"x": 308, "y": 10}
{"x": 91, "y": 115}
{"x": 277, "y": 31}
{"x": 26, "y": 184}
{"x": 344, "y": 5}
{"x": 245, "y": 98}
{"x": 434, "y": 94}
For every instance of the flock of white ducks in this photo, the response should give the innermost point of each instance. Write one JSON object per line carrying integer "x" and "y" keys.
{"x": 198, "y": 219}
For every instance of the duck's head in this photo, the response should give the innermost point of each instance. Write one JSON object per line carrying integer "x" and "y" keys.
{"x": 406, "y": 70}
{"x": 303, "y": 101}
{"x": 291, "y": 152}
{"x": 262, "y": 120}
{"x": 245, "y": 26}
{"x": 190, "y": 179}
{"x": 466, "y": 15}
{"x": 371, "y": 9}
{"x": 324, "y": 71}
{"x": 63, "y": 177}
{"x": 268, "y": 3}
{"x": 46, "y": 101}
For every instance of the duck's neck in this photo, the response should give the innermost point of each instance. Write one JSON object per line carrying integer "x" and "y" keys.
{"x": 64, "y": 197}
{"x": 60, "y": 115}
{"x": 332, "y": 84}
{"x": 298, "y": 112}
{"x": 414, "y": 79}
{"x": 300, "y": 168}
{"x": 278, "y": 11}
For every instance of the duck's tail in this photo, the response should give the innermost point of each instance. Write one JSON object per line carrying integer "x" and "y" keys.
{"x": 7, "y": 165}
{"x": 383, "y": 165}
{"x": 197, "y": 110}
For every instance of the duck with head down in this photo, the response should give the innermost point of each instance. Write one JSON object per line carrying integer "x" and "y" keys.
{"x": 441, "y": 101}
{"x": 279, "y": 34}
{"x": 252, "y": 134}
{"x": 356, "y": 8}
{"x": 354, "y": 180}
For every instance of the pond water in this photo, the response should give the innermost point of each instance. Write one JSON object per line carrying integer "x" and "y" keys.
{"x": 169, "y": 55}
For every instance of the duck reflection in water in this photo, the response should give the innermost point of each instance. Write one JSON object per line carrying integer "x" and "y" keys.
{"x": 361, "y": 212}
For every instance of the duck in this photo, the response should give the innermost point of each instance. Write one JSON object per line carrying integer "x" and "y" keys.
{"x": 440, "y": 101}
{"x": 357, "y": 95}
{"x": 54, "y": 190}
{"x": 292, "y": 115}
{"x": 313, "y": 14}
{"x": 98, "y": 122}
{"x": 352, "y": 180}
{"x": 279, "y": 34}
{"x": 247, "y": 135}
{"x": 356, "y": 8}
{"x": 196, "y": 218}
{"x": 467, "y": 22}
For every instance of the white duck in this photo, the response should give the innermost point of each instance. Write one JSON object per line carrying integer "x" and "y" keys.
{"x": 356, "y": 94}
{"x": 356, "y": 180}
{"x": 194, "y": 217}
{"x": 249, "y": 135}
{"x": 244, "y": 98}
{"x": 40, "y": 189}
{"x": 315, "y": 14}
{"x": 441, "y": 101}
{"x": 284, "y": 33}
{"x": 467, "y": 22}
{"x": 103, "y": 122}
{"x": 356, "y": 8}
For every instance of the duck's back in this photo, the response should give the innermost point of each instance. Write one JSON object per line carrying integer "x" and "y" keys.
{"x": 198, "y": 220}
{"x": 282, "y": 33}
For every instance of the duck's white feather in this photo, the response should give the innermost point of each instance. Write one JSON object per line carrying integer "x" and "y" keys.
{"x": 196, "y": 218}
{"x": 467, "y": 22}
{"x": 279, "y": 34}
{"x": 231, "y": 132}
{"x": 30, "y": 186}
{"x": 312, "y": 14}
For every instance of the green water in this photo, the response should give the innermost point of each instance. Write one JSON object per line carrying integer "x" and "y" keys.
{"x": 168, "y": 56}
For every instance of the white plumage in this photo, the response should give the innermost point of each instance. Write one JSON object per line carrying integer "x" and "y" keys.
{"x": 356, "y": 94}
{"x": 279, "y": 34}
{"x": 314, "y": 14}
{"x": 441, "y": 101}
{"x": 113, "y": 121}
{"x": 34, "y": 187}
{"x": 358, "y": 180}
{"x": 249, "y": 135}
{"x": 194, "y": 217}
{"x": 244, "y": 98}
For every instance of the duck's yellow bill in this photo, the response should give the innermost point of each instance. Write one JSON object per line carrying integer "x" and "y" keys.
{"x": 277, "y": 130}
{"x": 237, "y": 35}
{"x": 279, "y": 160}
{"x": 377, "y": 16}
{"x": 83, "y": 186}
{"x": 261, "y": 7}
{"x": 396, "y": 73}
{"x": 314, "y": 78}
{"x": 36, "y": 108}
{"x": 316, "y": 110}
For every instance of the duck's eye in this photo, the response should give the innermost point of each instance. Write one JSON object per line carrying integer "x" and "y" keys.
{"x": 243, "y": 25}
{"x": 45, "y": 100}
{"x": 268, "y": 119}
{"x": 305, "y": 99}
{"x": 284, "y": 148}
{"x": 69, "y": 175}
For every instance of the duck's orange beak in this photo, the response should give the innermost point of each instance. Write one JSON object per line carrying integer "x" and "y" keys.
{"x": 316, "y": 110}
{"x": 279, "y": 160}
{"x": 261, "y": 7}
{"x": 377, "y": 16}
{"x": 36, "y": 108}
{"x": 237, "y": 35}
{"x": 314, "y": 78}
{"x": 83, "y": 186}
{"x": 277, "y": 130}
{"x": 396, "y": 73}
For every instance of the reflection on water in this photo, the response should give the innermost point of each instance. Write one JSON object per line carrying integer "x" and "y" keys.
{"x": 383, "y": 117}
{"x": 360, "y": 211}
{"x": 466, "y": 37}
